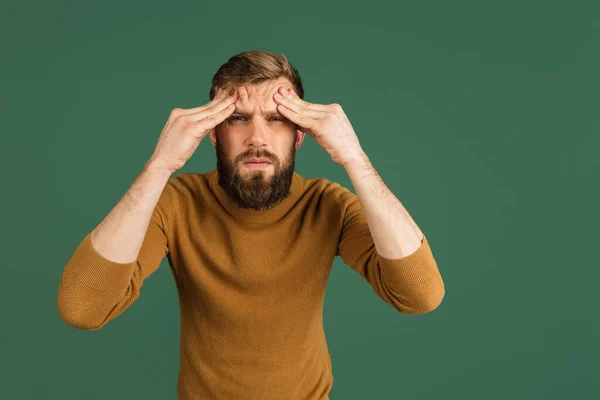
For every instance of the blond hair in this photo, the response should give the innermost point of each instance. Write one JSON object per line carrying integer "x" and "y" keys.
{"x": 255, "y": 66}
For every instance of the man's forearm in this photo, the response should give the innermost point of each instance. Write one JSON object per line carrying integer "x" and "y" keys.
{"x": 120, "y": 235}
{"x": 394, "y": 232}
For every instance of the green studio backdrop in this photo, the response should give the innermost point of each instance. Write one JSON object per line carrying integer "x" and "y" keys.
{"x": 481, "y": 117}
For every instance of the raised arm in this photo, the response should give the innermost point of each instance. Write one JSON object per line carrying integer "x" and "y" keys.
{"x": 104, "y": 275}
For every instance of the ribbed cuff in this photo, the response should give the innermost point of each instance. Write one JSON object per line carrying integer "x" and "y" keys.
{"x": 413, "y": 269}
{"x": 96, "y": 272}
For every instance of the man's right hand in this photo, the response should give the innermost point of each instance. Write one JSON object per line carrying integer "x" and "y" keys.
{"x": 186, "y": 128}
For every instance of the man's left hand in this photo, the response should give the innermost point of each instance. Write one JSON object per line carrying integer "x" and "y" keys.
{"x": 327, "y": 124}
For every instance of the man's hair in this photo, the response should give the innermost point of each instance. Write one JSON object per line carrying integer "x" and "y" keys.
{"x": 255, "y": 66}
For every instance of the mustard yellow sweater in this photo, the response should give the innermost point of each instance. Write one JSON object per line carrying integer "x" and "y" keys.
{"x": 251, "y": 284}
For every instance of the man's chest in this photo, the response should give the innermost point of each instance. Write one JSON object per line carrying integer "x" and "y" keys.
{"x": 255, "y": 257}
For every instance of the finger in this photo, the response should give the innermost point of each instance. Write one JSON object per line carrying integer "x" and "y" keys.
{"x": 213, "y": 109}
{"x": 221, "y": 96}
{"x": 302, "y": 120}
{"x": 302, "y": 107}
{"x": 207, "y": 124}
{"x": 290, "y": 94}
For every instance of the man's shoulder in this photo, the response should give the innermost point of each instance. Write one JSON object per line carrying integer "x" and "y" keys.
{"x": 190, "y": 182}
{"x": 184, "y": 189}
{"x": 324, "y": 187}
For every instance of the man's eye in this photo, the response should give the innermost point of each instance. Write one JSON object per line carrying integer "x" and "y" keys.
{"x": 239, "y": 116}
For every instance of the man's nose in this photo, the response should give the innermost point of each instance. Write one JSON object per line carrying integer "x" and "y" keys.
{"x": 256, "y": 135}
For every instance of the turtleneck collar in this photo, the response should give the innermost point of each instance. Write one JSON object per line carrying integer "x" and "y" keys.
{"x": 256, "y": 216}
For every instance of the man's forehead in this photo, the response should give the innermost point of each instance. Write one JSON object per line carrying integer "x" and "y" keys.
{"x": 262, "y": 89}
{"x": 259, "y": 97}
{"x": 248, "y": 111}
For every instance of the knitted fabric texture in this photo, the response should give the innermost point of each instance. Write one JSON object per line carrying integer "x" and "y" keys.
{"x": 251, "y": 284}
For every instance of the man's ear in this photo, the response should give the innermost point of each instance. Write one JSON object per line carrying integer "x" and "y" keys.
{"x": 299, "y": 138}
{"x": 213, "y": 137}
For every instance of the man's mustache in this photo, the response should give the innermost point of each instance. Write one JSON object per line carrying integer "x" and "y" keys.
{"x": 250, "y": 155}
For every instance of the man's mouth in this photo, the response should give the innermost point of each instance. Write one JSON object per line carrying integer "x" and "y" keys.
{"x": 258, "y": 161}
{"x": 253, "y": 164}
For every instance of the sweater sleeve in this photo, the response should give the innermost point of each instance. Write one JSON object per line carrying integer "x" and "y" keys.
{"x": 94, "y": 290}
{"x": 412, "y": 284}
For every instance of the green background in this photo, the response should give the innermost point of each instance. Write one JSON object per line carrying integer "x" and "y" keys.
{"x": 482, "y": 117}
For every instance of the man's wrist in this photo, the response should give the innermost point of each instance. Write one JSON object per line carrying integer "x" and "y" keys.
{"x": 158, "y": 167}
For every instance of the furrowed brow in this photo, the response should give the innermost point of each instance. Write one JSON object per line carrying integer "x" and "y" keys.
{"x": 269, "y": 113}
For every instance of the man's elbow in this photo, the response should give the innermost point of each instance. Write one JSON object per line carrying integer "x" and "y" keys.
{"x": 422, "y": 302}
{"x": 75, "y": 317}
{"x": 429, "y": 303}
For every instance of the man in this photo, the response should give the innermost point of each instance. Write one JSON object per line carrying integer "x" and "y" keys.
{"x": 251, "y": 244}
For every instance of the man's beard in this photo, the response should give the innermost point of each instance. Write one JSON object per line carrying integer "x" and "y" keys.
{"x": 254, "y": 193}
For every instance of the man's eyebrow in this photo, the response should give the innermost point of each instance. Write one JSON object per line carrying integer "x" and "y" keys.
{"x": 246, "y": 114}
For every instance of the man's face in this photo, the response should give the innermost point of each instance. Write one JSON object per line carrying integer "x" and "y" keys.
{"x": 256, "y": 130}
